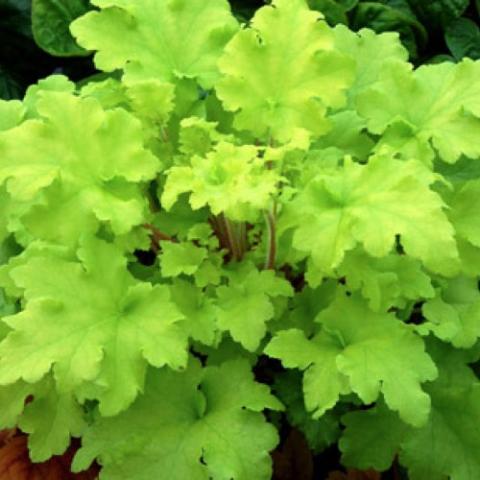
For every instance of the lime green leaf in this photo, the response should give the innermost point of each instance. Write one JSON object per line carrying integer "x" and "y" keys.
{"x": 230, "y": 179}
{"x": 440, "y": 103}
{"x": 53, "y": 83}
{"x": 445, "y": 447}
{"x": 197, "y": 309}
{"x": 195, "y": 425}
{"x": 165, "y": 40}
{"x": 464, "y": 211}
{"x": 305, "y": 306}
{"x": 401, "y": 137}
{"x": 12, "y": 399}
{"x": 180, "y": 258}
{"x": 93, "y": 323}
{"x": 322, "y": 382}
{"x": 382, "y": 356}
{"x": 11, "y": 114}
{"x": 470, "y": 258}
{"x": 371, "y": 438}
{"x": 47, "y": 218}
{"x": 291, "y": 159}
{"x": 370, "y": 51}
{"x": 109, "y": 92}
{"x": 139, "y": 238}
{"x": 209, "y": 272}
{"x": 448, "y": 445}
{"x": 203, "y": 235}
{"x": 50, "y": 419}
{"x": 454, "y": 314}
{"x": 284, "y": 41}
{"x": 180, "y": 218}
{"x": 18, "y": 257}
{"x": 371, "y": 204}
{"x": 226, "y": 349}
{"x": 347, "y": 135}
{"x": 197, "y": 136}
{"x": 50, "y": 25}
{"x": 320, "y": 433}
{"x": 152, "y": 100}
{"x": 244, "y": 306}
{"x": 387, "y": 281}
{"x": 87, "y": 156}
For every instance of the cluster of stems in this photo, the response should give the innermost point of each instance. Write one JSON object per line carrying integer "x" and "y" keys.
{"x": 231, "y": 235}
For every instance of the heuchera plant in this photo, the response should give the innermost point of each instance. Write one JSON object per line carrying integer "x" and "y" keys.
{"x": 226, "y": 193}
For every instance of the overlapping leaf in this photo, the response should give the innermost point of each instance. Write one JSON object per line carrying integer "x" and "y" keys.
{"x": 371, "y": 204}
{"x": 91, "y": 322}
{"x": 76, "y": 161}
{"x": 49, "y": 417}
{"x": 445, "y": 447}
{"x": 197, "y": 136}
{"x": 13, "y": 399}
{"x": 230, "y": 179}
{"x": 454, "y": 314}
{"x": 464, "y": 211}
{"x": 245, "y": 305}
{"x": 198, "y": 310}
{"x": 180, "y": 258}
{"x": 370, "y": 52}
{"x": 320, "y": 433}
{"x": 282, "y": 72}
{"x": 165, "y": 40}
{"x": 434, "y": 107}
{"x": 198, "y": 424}
{"x": 388, "y": 281}
{"x": 361, "y": 351}
{"x": 347, "y": 136}
{"x": 50, "y": 420}
{"x": 366, "y": 169}
{"x": 11, "y": 114}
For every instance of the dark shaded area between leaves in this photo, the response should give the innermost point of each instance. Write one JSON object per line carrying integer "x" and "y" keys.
{"x": 293, "y": 460}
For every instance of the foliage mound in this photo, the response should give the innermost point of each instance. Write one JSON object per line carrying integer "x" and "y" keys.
{"x": 239, "y": 226}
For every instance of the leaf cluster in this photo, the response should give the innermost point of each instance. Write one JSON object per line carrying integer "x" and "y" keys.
{"x": 229, "y": 195}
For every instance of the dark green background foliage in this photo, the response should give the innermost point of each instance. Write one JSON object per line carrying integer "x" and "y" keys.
{"x": 50, "y": 25}
{"x": 35, "y": 40}
{"x": 23, "y": 49}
